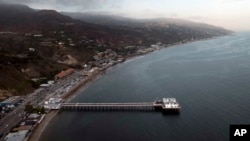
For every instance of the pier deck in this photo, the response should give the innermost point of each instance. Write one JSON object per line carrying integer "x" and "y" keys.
{"x": 147, "y": 106}
{"x": 168, "y": 105}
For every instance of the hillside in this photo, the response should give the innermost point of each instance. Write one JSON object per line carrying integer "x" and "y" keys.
{"x": 40, "y": 43}
{"x": 164, "y": 23}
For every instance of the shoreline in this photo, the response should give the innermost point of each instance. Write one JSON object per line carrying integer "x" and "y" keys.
{"x": 84, "y": 84}
{"x": 38, "y": 131}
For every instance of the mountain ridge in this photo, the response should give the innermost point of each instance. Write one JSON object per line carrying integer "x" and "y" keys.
{"x": 106, "y": 19}
{"x": 40, "y": 43}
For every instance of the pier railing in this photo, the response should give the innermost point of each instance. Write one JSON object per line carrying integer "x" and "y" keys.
{"x": 147, "y": 106}
{"x": 142, "y": 106}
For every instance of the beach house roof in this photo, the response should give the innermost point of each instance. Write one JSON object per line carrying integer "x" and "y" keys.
{"x": 64, "y": 73}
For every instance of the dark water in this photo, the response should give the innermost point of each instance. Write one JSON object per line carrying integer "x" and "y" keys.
{"x": 210, "y": 79}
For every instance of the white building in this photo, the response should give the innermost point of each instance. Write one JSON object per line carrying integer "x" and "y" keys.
{"x": 17, "y": 136}
{"x": 53, "y": 103}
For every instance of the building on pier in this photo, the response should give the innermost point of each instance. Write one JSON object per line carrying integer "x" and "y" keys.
{"x": 170, "y": 105}
{"x": 53, "y": 103}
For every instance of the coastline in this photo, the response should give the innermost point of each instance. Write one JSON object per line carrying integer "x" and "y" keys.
{"x": 37, "y": 133}
{"x": 84, "y": 84}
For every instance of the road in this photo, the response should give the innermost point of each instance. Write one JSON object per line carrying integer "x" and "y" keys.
{"x": 12, "y": 119}
{"x": 37, "y": 98}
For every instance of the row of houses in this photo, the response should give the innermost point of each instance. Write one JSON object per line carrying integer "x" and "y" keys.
{"x": 23, "y": 130}
{"x": 107, "y": 57}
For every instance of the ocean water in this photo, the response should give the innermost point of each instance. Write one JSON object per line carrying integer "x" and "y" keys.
{"x": 210, "y": 79}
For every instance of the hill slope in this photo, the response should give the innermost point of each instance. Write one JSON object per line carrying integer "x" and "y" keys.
{"x": 118, "y": 21}
{"x": 41, "y": 43}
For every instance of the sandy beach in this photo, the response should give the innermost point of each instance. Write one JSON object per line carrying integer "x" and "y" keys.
{"x": 36, "y": 134}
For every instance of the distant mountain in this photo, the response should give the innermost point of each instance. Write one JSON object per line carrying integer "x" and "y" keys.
{"x": 113, "y": 20}
{"x": 40, "y": 43}
{"x": 110, "y": 29}
{"x": 165, "y": 30}
{"x": 11, "y": 14}
{"x": 103, "y": 19}
{"x": 22, "y": 18}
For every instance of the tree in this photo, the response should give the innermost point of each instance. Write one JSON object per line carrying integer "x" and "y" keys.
{"x": 42, "y": 110}
{"x": 28, "y": 108}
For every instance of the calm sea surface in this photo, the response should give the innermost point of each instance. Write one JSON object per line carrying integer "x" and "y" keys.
{"x": 210, "y": 79}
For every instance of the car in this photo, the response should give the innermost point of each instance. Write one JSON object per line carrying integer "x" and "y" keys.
{"x": 1, "y": 135}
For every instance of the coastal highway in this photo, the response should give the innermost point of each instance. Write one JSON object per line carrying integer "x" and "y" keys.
{"x": 59, "y": 88}
{"x": 12, "y": 119}
{"x": 37, "y": 98}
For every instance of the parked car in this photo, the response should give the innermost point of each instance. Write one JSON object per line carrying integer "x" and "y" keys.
{"x": 1, "y": 135}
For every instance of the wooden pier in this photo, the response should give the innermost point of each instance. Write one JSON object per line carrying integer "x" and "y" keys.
{"x": 161, "y": 105}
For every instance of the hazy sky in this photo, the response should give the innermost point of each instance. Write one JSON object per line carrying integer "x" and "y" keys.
{"x": 231, "y": 14}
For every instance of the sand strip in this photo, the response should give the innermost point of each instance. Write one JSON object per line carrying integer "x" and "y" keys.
{"x": 35, "y": 136}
